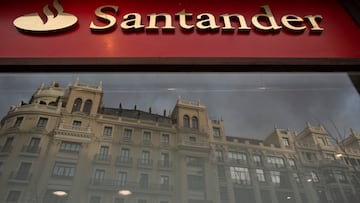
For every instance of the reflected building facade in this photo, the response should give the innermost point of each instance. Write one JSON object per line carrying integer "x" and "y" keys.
{"x": 65, "y": 146}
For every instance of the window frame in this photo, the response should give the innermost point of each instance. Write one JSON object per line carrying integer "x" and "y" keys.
{"x": 165, "y": 159}
{"x": 127, "y": 133}
{"x": 192, "y": 139}
{"x": 340, "y": 176}
{"x": 219, "y": 155}
{"x": 42, "y": 122}
{"x": 18, "y": 121}
{"x": 7, "y": 147}
{"x": 147, "y": 136}
{"x": 186, "y": 121}
{"x": 296, "y": 177}
{"x": 194, "y": 122}
{"x": 275, "y": 177}
{"x": 145, "y": 157}
{"x": 99, "y": 175}
{"x": 77, "y": 105}
{"x": 238, "y": 157}
{"x": 257, "y": 159}
{"x": 124, "y": 154}
{"x": 76, "y": 123}
{"x": 240, "y": 175}
{"x": 292, "y": 163}
{"x": 195, "y": 182}
{"x": 87, "y": 106}
{"x": 260, "y": 175}
{"x": 104, "y": 152}
{"x": 314, "y": 177}
{"x": 10, "y": 195}
{"x": 107, "y": 131}
{"x": 285, "y": 141}
{"x": 165, "y": 138}
{"x": 144, "y": 180}
{"x": 216, "y": 132}
{"x": 165, "y": 180}
{"x": 275, "y": 162}
{"x": 321, "y": 140}
{"x": 64, "y": 169}
{"x": 22, "y": 174}
{"x": 121, "y": 178}
{"x": 70, "y": 147}
{"x": 329, "y": 156}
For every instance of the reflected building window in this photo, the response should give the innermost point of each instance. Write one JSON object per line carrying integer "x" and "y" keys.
{"x": 13, "y": 196}
{"x": 144, "y": 180}
{"x": 165, "y": 139}
{"x": 18, "y": 121}
{"x": 260, "y": 175}
{"x": 237, "y": 157}
{"x": 127, "y": 134}
{"x": 87, "y": 107}
{"x": 77, "y": 105}
{"x": 121, "y": 178}
{"x": 216, "y": 132}
{"x": 65, "y": 170}
{"x": 219, "y": 156}
{"x": 314, "y": 177}
{"x": 240, "y": 175}
{"x": 42, "y": 122}
{"x": 99, "y": 176}
{"x": 107, "y": 131}
{"x": 275, "y": 177}
{"x": 186, "y": 121}
{"x": 257, "y": 160}
{"x": 275, "y": 162}
{"x": 286, "y": 141}
{"x": 194, "y": 122}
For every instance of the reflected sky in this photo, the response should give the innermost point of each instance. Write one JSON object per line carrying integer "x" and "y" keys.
{"x": 251, "y": 104}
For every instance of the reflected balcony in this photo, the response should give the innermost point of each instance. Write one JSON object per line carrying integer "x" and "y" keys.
{"x": 102, "y": 158}
{"x": 165, "y": 165}
{"x": 124, "y": 161}
{"x": 20, "y": 177}
{"x": 145, "y": 163}
{"x": 28, "y": 150}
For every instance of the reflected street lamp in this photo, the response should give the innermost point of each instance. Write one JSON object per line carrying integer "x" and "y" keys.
{"x": 60, "y": 193}
{"x": 124, "y": 192}
{"x": 339, "y": 155}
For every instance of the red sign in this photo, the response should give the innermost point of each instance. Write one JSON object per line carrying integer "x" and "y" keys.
{"x": 188, "y": 35}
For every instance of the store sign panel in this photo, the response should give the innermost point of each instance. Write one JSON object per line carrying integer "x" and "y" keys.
{"x": 132, "y": 22}
{"x": 137, "y": 28}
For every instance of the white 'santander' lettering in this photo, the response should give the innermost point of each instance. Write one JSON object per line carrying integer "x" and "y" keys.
{"x": 206, "y": 22}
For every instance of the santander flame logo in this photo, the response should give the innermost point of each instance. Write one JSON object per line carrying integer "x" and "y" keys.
{"x": 53, "y": 23}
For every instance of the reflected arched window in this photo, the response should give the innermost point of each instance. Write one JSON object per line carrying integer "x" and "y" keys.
{"x": 87, "y": 106}
{"x": 186, "y": 121}
{"x": 77, "y": 105}
{"x": 195, "y": 122}
{"x": 52, "y": 104}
